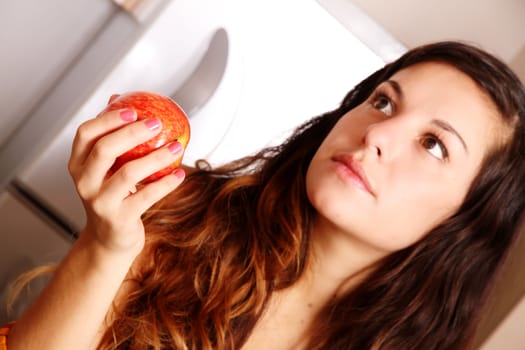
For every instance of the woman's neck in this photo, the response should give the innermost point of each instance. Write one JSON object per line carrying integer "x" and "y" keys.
{"x": 337, "y": 262}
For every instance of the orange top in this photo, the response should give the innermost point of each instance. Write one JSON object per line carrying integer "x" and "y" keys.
{"x": 4, "y": 332}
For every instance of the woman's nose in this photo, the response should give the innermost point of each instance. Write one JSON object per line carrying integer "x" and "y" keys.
{"x": 383, "y": 138}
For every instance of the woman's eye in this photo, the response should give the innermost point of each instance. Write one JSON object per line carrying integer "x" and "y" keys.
{"x": 383, "y": 103}
{"x": 435, "y": 147}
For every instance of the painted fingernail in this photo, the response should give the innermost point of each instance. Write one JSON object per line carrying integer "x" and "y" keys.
{"x": 152, "y": 124}
{"x": 179, "y": 173}
{"x": 113, "y": 98}
{"x": 128, "y": 115}
{"x": 175, "y": 147}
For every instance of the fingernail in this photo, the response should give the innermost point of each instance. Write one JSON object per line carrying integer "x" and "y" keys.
{"x": 175, "y": 147}
{"x": 127, "y": 115}
{"x": 179, "y": 173}
{"x": 152, "y": 123}
{"x": 113, "y": 98}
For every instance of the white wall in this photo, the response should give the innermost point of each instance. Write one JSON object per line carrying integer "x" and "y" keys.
{"x": 510, "y": 335}
{"x": 496, "y": 25}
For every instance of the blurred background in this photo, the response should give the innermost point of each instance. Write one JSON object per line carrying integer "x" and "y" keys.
{"x": 247, "y": 72}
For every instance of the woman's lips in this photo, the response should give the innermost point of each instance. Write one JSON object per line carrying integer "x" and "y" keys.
{"x": 353, "y": 171}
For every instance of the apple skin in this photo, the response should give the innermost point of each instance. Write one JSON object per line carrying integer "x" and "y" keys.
{"x": 175, "y": 127}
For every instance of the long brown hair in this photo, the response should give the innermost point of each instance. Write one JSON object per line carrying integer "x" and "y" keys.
{"x": 219, "y": 245}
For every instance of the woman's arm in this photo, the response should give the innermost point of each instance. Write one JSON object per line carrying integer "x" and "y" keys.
{"x": 70, "y": 311}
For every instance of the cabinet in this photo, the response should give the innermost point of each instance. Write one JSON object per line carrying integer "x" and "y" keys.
{"x": 28, "y": 240}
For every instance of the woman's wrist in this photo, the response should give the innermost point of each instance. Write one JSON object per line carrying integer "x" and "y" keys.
{"x": 103, "y": 252}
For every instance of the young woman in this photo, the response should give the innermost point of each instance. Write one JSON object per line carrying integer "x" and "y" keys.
{"x": 379, "y": 225}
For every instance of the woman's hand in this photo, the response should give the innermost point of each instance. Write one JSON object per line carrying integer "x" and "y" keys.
{"x": 113, "y": 204}
{"x": 76, "y": 300}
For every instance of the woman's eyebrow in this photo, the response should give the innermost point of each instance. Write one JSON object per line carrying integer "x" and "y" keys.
{"x": 438, "y": 122}
{"x": 447, "y": 127}
{"x": 397, "y": 88}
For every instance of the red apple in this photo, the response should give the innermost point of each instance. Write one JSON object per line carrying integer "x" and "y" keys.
{"x": 175, "y": 127}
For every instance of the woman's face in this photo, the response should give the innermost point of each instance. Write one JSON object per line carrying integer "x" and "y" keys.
{"x": 401, "y": 162}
